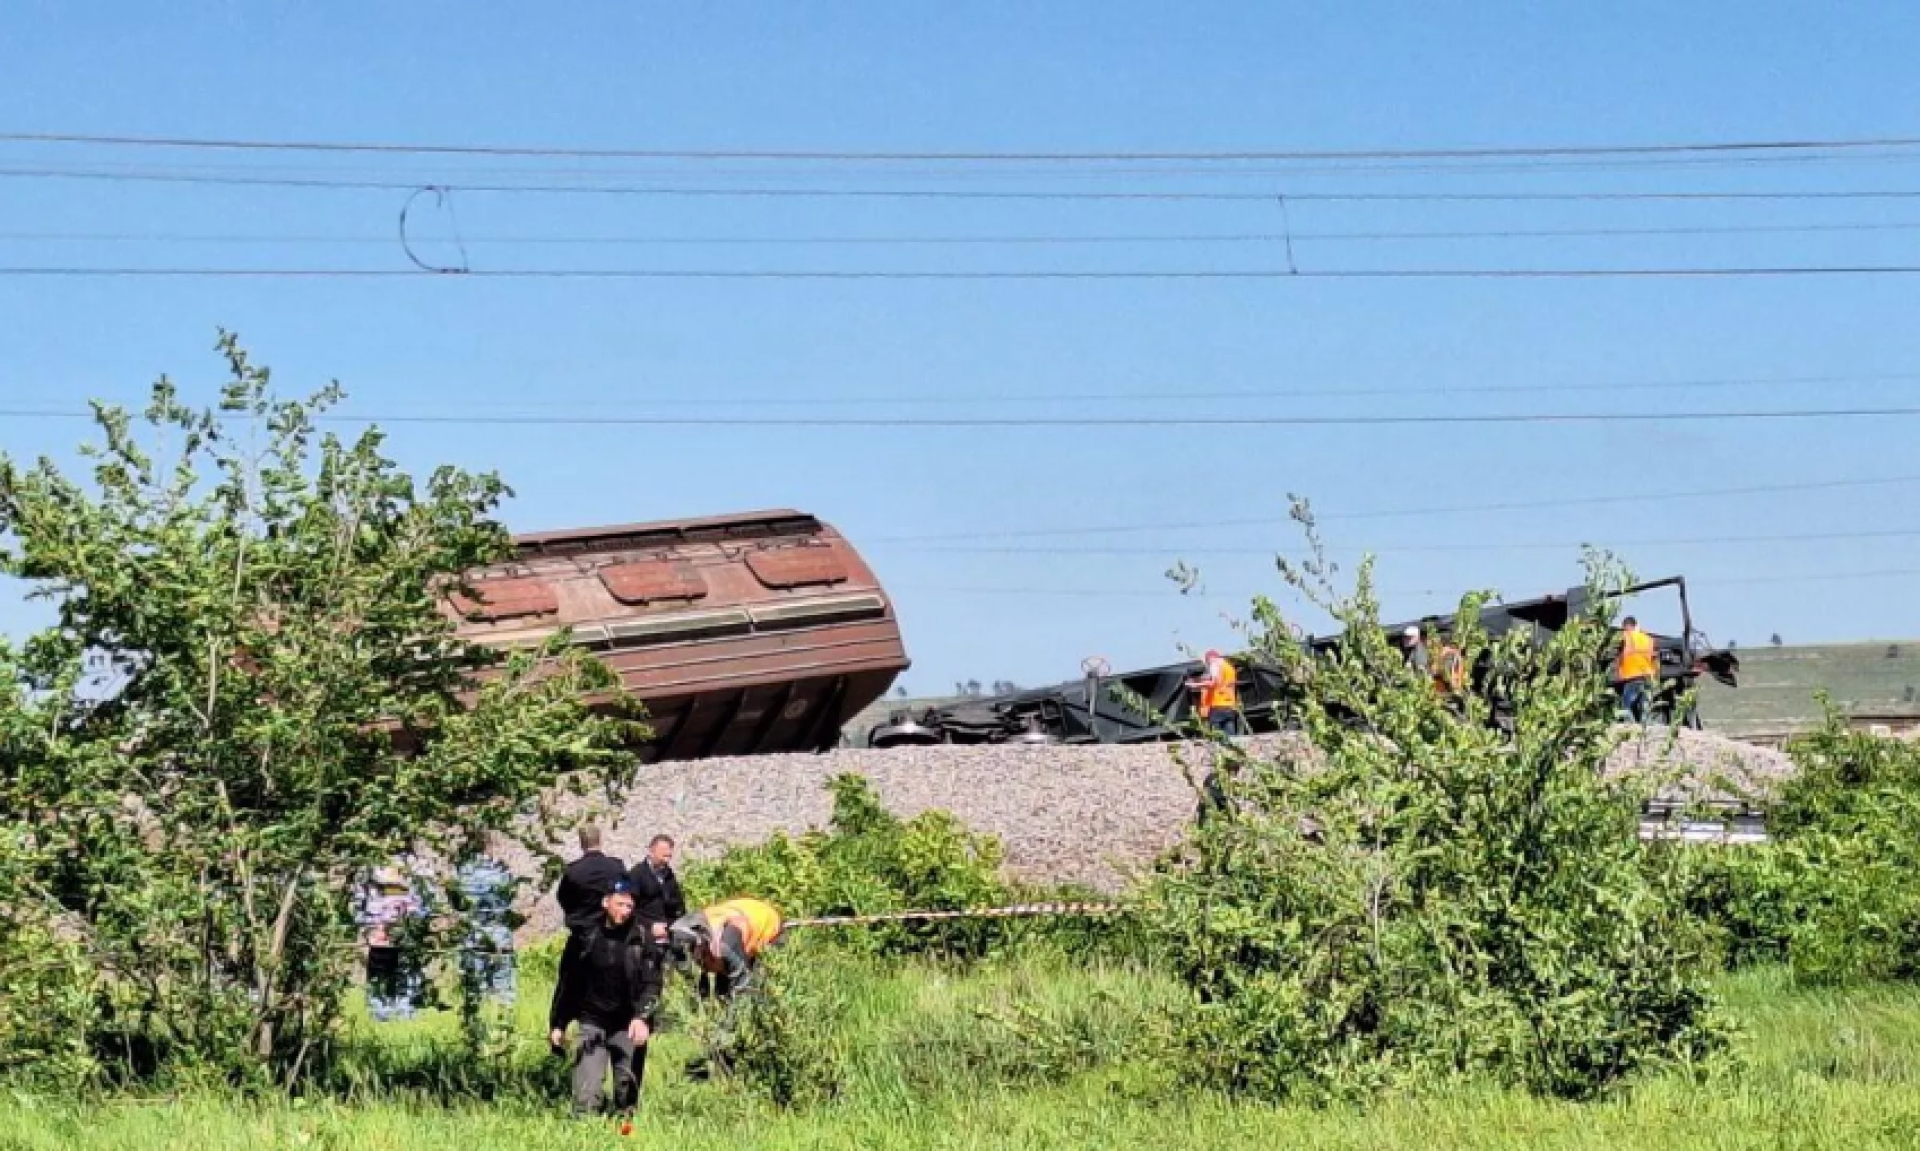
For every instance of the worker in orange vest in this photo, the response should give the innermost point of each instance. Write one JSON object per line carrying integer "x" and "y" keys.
{"x": 1636, "y": 669}
{"x": 1450, "y": 669}
{"x": 724, "y": 940}
{"x": 1219, "y": 687}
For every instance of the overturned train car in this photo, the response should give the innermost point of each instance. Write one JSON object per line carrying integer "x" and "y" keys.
{"x": 1155, "y": 704}
{"x": 742, "y": 634}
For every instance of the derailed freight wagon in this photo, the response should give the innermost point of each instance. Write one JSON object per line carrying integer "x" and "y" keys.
{"x": 741, "y": 634}
{"x": 1154, "y": 704}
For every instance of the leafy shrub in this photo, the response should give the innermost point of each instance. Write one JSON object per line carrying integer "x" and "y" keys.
{"x": 1468, "y": 901}
{"x": 1746, "y": 899}
{"x": 786, "y": 1040}
{"x": 870, "y": 861}
{"x": 1841, "y": 873}
{"x": 251, "y": 698}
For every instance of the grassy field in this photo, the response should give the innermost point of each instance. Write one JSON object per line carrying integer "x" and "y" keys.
{"x": 922, "y": 1071}
{"x": 1777, "y": 685}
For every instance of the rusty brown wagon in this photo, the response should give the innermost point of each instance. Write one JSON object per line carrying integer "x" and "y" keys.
{"x": 742, "y": 634}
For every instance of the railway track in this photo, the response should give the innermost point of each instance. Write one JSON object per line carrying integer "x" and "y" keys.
{"x": 1878, "y": 723}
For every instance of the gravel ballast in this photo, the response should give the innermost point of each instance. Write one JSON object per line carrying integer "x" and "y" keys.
{"x": 1081, "y": 814}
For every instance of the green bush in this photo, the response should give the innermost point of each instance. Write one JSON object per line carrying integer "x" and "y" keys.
{"x": 869, "y": 861}
{"x": 1746, "y": 899}
{"x": 1832, "y": 894}
{"x": 250, "y": 699}
{"x": 1475, "y": 902}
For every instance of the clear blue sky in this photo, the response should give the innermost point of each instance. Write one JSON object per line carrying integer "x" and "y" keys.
{"x": 1118, "y": 76}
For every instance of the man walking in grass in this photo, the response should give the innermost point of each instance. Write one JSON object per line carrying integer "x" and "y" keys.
{"x": 610, "y": 979}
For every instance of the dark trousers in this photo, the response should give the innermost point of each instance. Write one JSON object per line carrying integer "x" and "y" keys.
{"x": 603, "y": 1046}
{"x": 1227, "y": 722}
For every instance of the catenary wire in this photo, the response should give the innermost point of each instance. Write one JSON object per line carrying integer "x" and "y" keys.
{"x": 1068, "y": 422}
{"x": 1688, "y": 541}
{"x": 1398, "y": 513}
{"x": 1092, "y": 171}
{"x": 1190, "y": 395}
{"x": 76, "y": 272}
{"x": 1176, "y": 593}
{"x": 258, "y": 145}
{"x": 1043, "y": 240}
{"x": 1476, "y": 170}
{"x": 661, "y": 190}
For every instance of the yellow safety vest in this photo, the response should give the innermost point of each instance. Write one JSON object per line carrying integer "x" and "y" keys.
{"x": 760, "y": 921}
{"x": 1636, "y": 656}
{"x": 1224, "y": 694}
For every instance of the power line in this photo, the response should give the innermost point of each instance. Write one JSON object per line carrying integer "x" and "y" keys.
{"x": 1824, "y": 270}
{"x": 1482, "y": 546}
{"x": 1398, "y": 513}
{"x": 1241, "y": 171}
{"x": 699, "y": 192}
{"x": 1069, "y": 422}
{"x": 387, "y": 240}
{"x": 1175, "y": 593}
{"x": 550, "y": 151}
{"x": 1191, "y": 395}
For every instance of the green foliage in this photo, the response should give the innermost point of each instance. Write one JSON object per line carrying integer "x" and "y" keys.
{"x": 786, "y": 1041}
{"x": 1468, "y": 901}
{"x": 1834, "y": 893}
{"x": 868, "y": 861}
{"x": 836, "y": 1026}
{"x": 1746, "y": 899}
{"x": 251, "y": 698}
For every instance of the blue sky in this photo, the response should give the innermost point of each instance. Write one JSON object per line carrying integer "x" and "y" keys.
{"x": 1005, "y": 77}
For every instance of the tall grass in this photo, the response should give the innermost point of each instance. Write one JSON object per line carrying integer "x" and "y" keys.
{"x": 1038, "y": 1051}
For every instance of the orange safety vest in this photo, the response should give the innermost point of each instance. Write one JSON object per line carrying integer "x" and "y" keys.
{"x": 1450, "y": 670}
{"x": 1637, "y": 660}
{"x": 759, "y": 921}
{"x": 1223, "y": 694}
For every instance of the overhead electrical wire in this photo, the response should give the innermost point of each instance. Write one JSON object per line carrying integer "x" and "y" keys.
{"x": 1399, "y": 513}
{"x": 842, "y": 155}
{"x": 1014, "y": 422}
{"x": 1093, "y": 171}
{"x": 1480, "y": 546}
{"x": 1030, "y": 239}
{"x": 1174, "y": 592}
{"x": 776, "y": 192}
{"x": 1193, "y": 395}
{"x": 1692, "y": 273}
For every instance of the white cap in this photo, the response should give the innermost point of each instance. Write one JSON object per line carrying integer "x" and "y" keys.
{"x": 1411, "y": 632}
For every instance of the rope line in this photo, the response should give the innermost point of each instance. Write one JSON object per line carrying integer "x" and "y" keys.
{"x": 1009, "y": 912}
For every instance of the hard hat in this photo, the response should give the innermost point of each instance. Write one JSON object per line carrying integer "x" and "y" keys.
{"x": 1411, "y": 632}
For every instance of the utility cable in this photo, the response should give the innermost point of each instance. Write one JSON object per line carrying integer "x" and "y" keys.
{"x": 698, "y": 192}
{"x": 1404, "y": 593}
{"x": 1038, "y": 423}
{"x": 1188, "y": 396}
{"x": 1819, "y": 270}
{"x": 1481, "y": 546}
{"x": 259, "y": 145}
{"x": 1398, "y": 513}
{"x": 967, "y": 241}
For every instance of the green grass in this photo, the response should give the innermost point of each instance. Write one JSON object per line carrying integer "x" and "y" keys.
{"x": 1818, "y": 1069}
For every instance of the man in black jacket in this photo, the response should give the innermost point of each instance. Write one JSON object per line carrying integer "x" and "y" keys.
{"x": 586, "y": 880}
{"x": 610, "y": 980}
{"x": 657, "y": 901}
